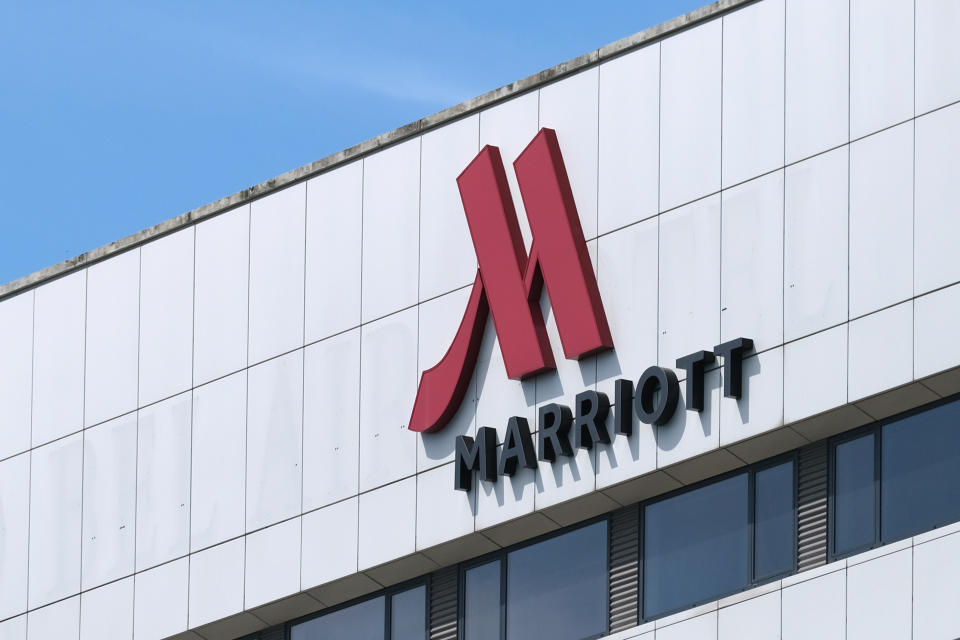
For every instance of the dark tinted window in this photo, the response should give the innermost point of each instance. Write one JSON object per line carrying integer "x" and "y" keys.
{"x": 408, "y": 614}
{"x": 696, "y": 546}
{"x": 854, "y": 495}
{"x": 775, "y": 521}
{"x": 363, "y": 621}
{"x": 481, "y": 605}
{"x": 557, "y": 589}
{"x": 920, "y": 472}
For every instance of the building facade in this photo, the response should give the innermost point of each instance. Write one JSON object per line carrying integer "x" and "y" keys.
{"x": 307, "y": 411}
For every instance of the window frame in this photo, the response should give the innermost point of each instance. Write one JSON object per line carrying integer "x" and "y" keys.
{"x": 876, "y": 428}
{"x": 753, "y": 582}
{"x": 387, "y": 593}
{"x": 501, "y": 555}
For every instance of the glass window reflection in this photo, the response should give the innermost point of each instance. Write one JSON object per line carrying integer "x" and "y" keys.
{"x": 362, "y": 621}
{"x": 920, "y": 472}
{"x": 696, "y": 546}
{"x": 775, "y": 521}
{"x": 481, "y": 606}
{"x": 408, "y": 614}
{"x": 854, "y": 495}
{"x": 557, "y": 589}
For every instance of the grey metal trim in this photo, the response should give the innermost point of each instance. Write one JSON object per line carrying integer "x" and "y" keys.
{"x": 624, "y": 569}
{"x": 812, "y": 506}
{"x": 444, "y": 591}
{"x": 374, "y": 144}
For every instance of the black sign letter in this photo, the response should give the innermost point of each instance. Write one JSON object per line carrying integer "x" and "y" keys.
{"x": 732, "y": 354}
{"x": 694, "y": 364}
{"x": 657, "y": 394}
{"x": 479, "y": 455}
{"x": 590, "y": 420}
{"x": 517, "y": 448}
{"x": 554, "y": 436}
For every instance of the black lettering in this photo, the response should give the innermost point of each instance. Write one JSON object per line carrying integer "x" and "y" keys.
{"x": 590, "y": 419}
{"x": 732, "y": 354}
{"x": 554, "y": 434}
{"x": 517, "y": 448}
{"x": 622, "y": 407}
{"x": 479, "y": 455}
{"x": 694, "y": 365}
{"x": 657, "y": 394}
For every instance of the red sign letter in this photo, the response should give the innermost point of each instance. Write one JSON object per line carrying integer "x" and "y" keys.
{"x": 510, "y": 282}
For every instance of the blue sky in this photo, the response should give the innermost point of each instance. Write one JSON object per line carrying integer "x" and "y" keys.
{"x": 115, "y": 116}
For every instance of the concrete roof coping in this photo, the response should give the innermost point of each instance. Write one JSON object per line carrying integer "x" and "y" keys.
{"x": 372, "y": 145}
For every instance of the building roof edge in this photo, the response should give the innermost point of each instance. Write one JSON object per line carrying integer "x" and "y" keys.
{"x": 367, "y": 147}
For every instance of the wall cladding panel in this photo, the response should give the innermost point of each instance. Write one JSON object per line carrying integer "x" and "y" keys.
{"x": 113, "y": 314}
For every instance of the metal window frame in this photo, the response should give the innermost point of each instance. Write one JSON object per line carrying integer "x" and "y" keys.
{"x": 501, "y": 556}
{"x": 875, "y": 428}
{"x": 750, "y": 470}
{"x": 387, "y": 593}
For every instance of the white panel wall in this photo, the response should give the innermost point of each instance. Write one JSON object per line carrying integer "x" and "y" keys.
{"x": 109, "y": 500}
{"x": 446, "y": 251}
{"x": 881, "y": 220}
{"x": 14, "y": 534}
{"x": 816, "y": 246}
{"x": 334, "y": 225}
{"x": 59, "y": 620}
{"x": 166, "y": 317}
{"x": 274, "y": 440}
{"x": 113, "y": 313}
{"x": 163, "y": 481}
{"x": 751, "y": 269}
{"x": 16, "y": 373}
{"x": 58, "y": 355}
{"x": 439, "y": 320}
{"x": 221, "y": 291}
{"x": 690, "y": 122}
{"x": 218, "y": 478}
{"x": 689, "y": 280}
{"x": 391, "y": 208}
{"x": 936, "y": 263}
{"x": 881, "y": 65}
{"x": 55, "y": 509}
{"x": 629, "y": 145}
{"x": 753, "y": 116}
{"x": 190, "y": 451}
{"x": 570, "y": 108}
{"x": 817, "y": 76}
{"x": 937, "y": 53}
{"x": 388, "y": 386}
{"x": 277, "y": 245}
{"x": 106, "y": 613}
{"x": 331, "y": 420}
{"x": 160, "y": 603}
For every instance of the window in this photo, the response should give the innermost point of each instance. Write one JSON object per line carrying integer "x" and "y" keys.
{"x": 408, "y": 614}
{"x": 697, "y": 544}
{"x": 920, "y": 472}
{"x": 775, "y": 522}
{"x": 481, "y": 597}
{"x": 897, "y": 479}
{"x": 406, "y": 611}
{"x": 556, "y": 589}
{"x": 363, "y": 621}
{"x": 854, "y": 495}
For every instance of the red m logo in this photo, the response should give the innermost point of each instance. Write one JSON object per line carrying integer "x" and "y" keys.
{"x": 509, "y": 282}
